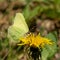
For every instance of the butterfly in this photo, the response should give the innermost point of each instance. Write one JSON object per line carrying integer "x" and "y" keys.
{"x": 18, "y": 28}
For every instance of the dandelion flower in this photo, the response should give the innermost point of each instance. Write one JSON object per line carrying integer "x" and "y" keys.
{"x": 35, "y": 40}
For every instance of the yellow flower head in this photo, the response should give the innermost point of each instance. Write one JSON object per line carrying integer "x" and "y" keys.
{"x": 35, "y": 40}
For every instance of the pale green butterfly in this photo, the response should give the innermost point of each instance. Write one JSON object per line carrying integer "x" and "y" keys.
{"x": 18, "y": 29}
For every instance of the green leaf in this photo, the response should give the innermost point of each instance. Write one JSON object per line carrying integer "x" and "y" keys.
{"x": 18, "y": 29}
{"x": 26, "y": 12}
{"x": 29, "y": 14}
{"x": 52, "y": 36}
{"x": 49, "y": 50}
{"x": 44, "y": 53}
{"x": 34, "y": 12}
{"x": 51, "y": 11}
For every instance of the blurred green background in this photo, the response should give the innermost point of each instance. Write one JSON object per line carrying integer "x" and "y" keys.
{"x": 43, "y": 13}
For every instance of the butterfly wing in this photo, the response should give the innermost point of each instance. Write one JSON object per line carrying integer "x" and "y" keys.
{"x": 18, "y": 29}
